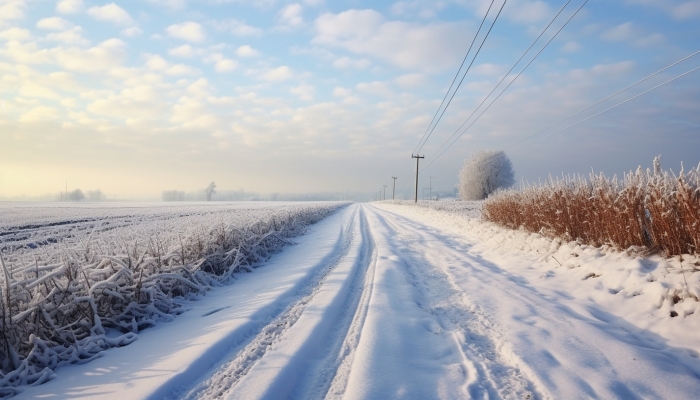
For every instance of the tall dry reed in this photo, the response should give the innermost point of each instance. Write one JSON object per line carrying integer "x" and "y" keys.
{"x": 656, "y": 209}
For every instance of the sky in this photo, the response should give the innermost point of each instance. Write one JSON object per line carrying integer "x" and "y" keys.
{"x": 136, "y": 97}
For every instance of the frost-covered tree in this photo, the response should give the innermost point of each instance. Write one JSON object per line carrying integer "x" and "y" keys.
{"x": 484, "y": 173}
{"x": 76, "y": 195}
{"x": 95, "y": 195}
{"x": 210, "y": 190}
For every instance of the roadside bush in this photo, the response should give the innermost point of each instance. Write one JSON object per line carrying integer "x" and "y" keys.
{"x": 655, "y": 209}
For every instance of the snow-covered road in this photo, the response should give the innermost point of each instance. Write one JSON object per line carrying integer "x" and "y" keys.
{"x": 372, "y": 304}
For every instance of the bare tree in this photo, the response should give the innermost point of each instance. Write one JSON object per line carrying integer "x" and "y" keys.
{"x": 210, "y": 190}
{"x": 484, "y": 173}
{"x": 76, "y": 195}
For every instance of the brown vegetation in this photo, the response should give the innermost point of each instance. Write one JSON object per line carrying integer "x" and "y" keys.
{"x": 655, "y": 209}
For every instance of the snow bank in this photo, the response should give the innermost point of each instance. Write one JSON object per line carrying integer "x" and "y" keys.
{"x": 658, "y": 296}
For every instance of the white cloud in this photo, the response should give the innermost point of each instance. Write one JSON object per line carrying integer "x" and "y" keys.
{"x": 69, "y": 103}
{"x": 341, "y": 92}
{"x": 619, "y": 33}
{"x": 188, "y": 31}
{"x": 184, "y": 51}
{"x": 410, "y": 81}
{"x": 104, "y": 56}
{"x": 69, "y": 6}
{"x": 277, "y": 74}
{"x": 111, "y": 13}
{"x": 375, "y": 88}
{"x": 407, "y": 45}
{"x": 347, "y": 62}
{"x": 131, "y": 32}
{"x": 528, "y": 12}
{"x": 237, "y": 27}
{"x": 225, "y": 65}
{"x": 71, "y": 36}
{"x": 305, "y": 91}
{"x": 11, "y": 10}
{"x": 140, "y": 93}
{"x": 423, "y": 9}
{"x": 487, "y": 69}
{"x": 156, "y": 63}
{"x": 650, "y": 40}
{"x": 291, "y": 16}
{"x": 182, "y": 69}
{"x": 172, "y": 4}
{"x": 571, "y": 47}
{"x": 606, "y": 70}
{"x": 247, "y": 51}
{"x": 680, "y": 10}
{"x": 53, "y": 23}
{"x": 200, "y": 88}
{"x": 18, "y": 34}
{"x": 33, "y": 89}
{"x": 630, "y": 33}
{"x": 40, "y": 113}
{"x": 687, "y": 10}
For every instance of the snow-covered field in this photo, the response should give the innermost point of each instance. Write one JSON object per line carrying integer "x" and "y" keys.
{"x": 79, "y": 280}
{"x": 396, "y": 301}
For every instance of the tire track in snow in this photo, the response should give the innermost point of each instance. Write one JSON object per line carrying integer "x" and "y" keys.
{"x": 225, "y": 378}
{"x": 332, "y": 377}
{"x": 476, "y": 337}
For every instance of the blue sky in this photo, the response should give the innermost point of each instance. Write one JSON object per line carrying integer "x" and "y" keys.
{"x": 134, "y": 97}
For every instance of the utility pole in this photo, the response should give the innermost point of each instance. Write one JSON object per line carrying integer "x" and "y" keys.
{"x": 430, "y": 197}
{"x": 393, "y": 191}
{"x": 417, "y": 157}
{"x": 384, "y": 191}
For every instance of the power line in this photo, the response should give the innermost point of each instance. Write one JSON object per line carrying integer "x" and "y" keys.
{"x": 456, "y": 75}
{"x": 602, "y": 100}
{"x": 499, "y": 95}
{"x": 513, "y": 67}
{"x": 465, "y": 75}
{"x": 610, "y": 108}
{"x": 599, "y": 113}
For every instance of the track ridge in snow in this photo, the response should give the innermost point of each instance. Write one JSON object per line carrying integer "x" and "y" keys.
{"x": 493, "y": 374}
{"x": 331, "y": 377}
{"x": 226, "y": 376}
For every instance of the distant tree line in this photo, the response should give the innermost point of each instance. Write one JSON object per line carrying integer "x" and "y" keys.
{"x": 173, "y": 195}
{"x": 79, "y": 195}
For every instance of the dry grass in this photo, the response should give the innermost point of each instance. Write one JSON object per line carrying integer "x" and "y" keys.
{"x": 656, "y": 210}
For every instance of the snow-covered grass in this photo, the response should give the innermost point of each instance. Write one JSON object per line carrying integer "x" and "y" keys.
{"x": 76, "y": 281}
{"x": 656, "y": 210}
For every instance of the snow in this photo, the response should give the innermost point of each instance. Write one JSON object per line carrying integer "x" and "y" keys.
{"x": 398, "y": 301}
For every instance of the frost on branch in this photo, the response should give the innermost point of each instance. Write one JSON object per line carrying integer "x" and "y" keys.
{"x": 484, "y": 173}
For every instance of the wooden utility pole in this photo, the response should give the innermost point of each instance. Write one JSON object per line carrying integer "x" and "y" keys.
{"x": 384, "y": 187}
{"x": 417, "y": 157}
{"x": 393, "y": 191}
{"x": 430, "y": 197}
